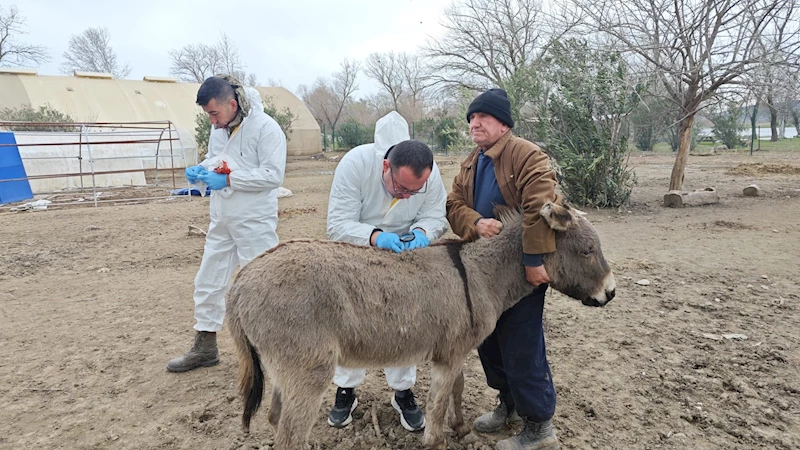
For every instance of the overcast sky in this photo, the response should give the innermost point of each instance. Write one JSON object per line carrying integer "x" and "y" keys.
{"x": 292, "y": 41}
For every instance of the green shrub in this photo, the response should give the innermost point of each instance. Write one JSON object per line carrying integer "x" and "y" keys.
{"x": 285, "y": 117}
{"x": 727, "y": 126}
{"x": 42, "y": 114}
{"x": 584, "y": 124}
{"x": 352, "y": 134}
{"x": 202, "y": 130}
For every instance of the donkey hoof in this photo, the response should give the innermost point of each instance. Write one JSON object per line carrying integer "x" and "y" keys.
{"x": 462, "y": 430}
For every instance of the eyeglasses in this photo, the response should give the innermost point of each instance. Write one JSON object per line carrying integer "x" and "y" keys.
{"x": 401, "y": 190}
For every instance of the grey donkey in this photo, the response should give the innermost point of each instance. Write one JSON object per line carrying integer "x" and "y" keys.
{"x": 305, "y": 306}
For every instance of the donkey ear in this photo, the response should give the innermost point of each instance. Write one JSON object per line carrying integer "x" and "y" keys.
{"x": 570, "y": 207}
{"x": 557, "y": 216}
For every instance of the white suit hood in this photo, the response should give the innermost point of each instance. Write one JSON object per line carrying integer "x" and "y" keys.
{"x": 256, "y": 104}
{"x": 390, "y": 130}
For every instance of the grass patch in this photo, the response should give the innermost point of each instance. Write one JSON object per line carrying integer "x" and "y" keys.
{"x": 783, "y": 145}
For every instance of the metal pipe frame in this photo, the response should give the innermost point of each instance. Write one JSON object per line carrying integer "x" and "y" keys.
{"x": 83, "y": 130}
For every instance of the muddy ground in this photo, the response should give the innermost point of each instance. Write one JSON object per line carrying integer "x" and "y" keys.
{"x": 94, "y": 301}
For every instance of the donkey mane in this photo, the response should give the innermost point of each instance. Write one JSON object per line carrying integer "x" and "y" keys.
{"x": 512, "y": 216}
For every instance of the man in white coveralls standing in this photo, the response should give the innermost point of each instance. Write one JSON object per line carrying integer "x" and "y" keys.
{"x": 243, "y": 205}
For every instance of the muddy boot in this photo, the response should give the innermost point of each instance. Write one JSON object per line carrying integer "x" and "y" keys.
{"x": 535, "y": 436}
{"x": 495, "y": 420}
{"x": 204, "y": 353}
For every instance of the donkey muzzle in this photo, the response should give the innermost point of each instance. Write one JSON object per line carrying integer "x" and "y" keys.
{"x": 595, "y": 302}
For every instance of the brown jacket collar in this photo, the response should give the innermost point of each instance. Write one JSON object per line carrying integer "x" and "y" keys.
{"x": 494, "y": 152}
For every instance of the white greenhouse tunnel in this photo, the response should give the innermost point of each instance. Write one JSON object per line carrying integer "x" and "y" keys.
{"x": 58, "y": 153}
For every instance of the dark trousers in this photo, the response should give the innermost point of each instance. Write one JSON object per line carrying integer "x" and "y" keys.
{"x": 515, "y": 361}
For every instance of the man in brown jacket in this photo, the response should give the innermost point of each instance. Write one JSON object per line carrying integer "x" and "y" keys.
{"x": 507, "y": 170}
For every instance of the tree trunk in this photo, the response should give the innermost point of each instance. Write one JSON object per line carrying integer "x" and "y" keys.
{"x": 773, "y": 123}
{"x": 773, "y": 118}
{"x": 684, "y": 145}
{"x": 796, "y": 120}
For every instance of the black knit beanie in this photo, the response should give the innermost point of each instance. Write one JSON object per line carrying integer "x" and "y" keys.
{"x": 495, "y": 103}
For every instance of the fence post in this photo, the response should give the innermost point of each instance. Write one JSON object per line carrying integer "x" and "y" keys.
{"x": 753, "y": 127}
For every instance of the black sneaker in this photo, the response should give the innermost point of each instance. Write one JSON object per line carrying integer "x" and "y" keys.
{"x": 411, "y": 416}
{"x": 341, "y": 413}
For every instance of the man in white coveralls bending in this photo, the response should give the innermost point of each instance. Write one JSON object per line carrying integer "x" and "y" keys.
{"x": 389, "y": 195}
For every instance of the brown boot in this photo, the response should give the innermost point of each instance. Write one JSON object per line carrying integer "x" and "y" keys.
{"x": 535, "y": 436}
{"x": 204, "y": 353}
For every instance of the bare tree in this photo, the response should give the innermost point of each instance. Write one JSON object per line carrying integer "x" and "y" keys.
{"x": 794, "y": 102}
{"x": 385, "y": 69}
{"x": 195, "y": 62}
{"x": 12, "y": 52}
{"x": 380, "y": 103}
{"x": 228, "y": 58}
{"x": 344, "y": 81}
{"x": 326, "y": 99}
{"x": 772, "y": 80}
{"x": 485, "y": 42}
{"x": 91, "y": 51}
{"x": 695, "y": 47}
{"x": 417, "y": 81}
{"x": 403, "y": 77}
{"x": 363, "y": 110}
{"x": 251, "y": 79}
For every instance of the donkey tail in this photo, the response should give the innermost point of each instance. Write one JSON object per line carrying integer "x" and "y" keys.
{"x": 251, "y": 376}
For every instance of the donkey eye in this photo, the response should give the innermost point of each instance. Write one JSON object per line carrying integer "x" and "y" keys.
{"x": 588, "y": 252}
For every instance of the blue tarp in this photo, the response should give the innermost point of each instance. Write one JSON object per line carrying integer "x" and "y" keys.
{"x": 194, "y": 191}
{"x": 10, "y": 168}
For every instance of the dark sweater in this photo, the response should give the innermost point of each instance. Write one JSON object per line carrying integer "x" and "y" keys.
{"x": 487, "y": 195}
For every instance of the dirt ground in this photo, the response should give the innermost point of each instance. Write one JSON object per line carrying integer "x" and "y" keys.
{"x": 94, "y": 301}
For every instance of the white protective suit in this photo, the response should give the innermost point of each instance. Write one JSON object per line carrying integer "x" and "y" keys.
{"x": 359, "y": 203}
{"x": 244, "y": 219}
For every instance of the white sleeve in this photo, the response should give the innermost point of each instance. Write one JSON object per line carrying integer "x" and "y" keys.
{"x": 271, "y": 151}
{"x": 432, "y": 216}
{"x": 344, "y": 205}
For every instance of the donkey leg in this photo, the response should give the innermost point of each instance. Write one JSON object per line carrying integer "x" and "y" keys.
{"x": 442, "y": 378}
{"x": 275, "y": 408}
{"x": 301, "y": 392}
{"x": 456, "y": 415}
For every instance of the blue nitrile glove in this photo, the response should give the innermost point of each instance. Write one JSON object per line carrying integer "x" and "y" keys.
{"x": 192, "y": 173}
{"x": 389, "y": 241}
{"x": 214, "y": 180}
{"x": 420, "y": 241}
